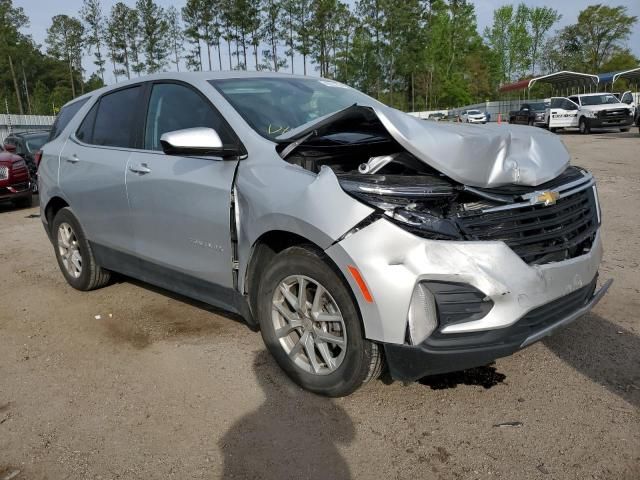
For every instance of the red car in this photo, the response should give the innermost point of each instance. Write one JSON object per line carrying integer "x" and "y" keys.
{"x": 15, "y": 181}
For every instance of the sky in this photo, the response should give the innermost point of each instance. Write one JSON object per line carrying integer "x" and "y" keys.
{"x": 40, "y": 13}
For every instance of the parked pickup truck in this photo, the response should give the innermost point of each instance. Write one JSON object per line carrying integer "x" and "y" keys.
{"x": 591, "y": 110}
{"x": 529, "y": 114}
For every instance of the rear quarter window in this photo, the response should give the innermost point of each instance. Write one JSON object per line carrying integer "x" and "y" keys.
{"x": 64, "y": 117}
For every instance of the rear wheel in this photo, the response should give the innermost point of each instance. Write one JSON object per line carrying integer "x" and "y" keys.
{"x": 74, "y": 254}
{"x": 584, "y": 126}
{"x": 311, "y": 326}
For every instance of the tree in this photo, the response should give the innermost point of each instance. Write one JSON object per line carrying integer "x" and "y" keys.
{"x": 176, "y": 34}
{"x": 302, "y": 28}
{"x": 602, "y": 31}
{"x": 91, "y": 14}
{"x": 154, "y": 38}
{"x": 191, "y": 14}
{"x": 12, "y": 19}
{"x": 118, "y": 39}
{"x": 271, "y": 31}
{"x": 64, "y": 40}
{"x": 541, "y": 19}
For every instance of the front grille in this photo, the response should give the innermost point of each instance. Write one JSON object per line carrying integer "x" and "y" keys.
{"x": 537, "y": 233}
{"x": 614, "y": 115}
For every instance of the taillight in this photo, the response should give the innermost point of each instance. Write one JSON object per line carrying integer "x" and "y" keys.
{"x": 37, "y": 157}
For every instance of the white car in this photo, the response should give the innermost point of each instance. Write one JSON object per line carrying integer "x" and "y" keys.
{"x": 591, "y": 110}
{"x": 473, "y": 116}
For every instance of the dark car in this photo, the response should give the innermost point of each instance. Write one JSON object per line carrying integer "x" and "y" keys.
{"x": 529, "y": 114}
{"x": 27, "y": 145}
{"x": 15, "y": 181}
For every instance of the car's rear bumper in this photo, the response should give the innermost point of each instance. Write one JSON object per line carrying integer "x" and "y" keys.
{"x": 448, "y": 353}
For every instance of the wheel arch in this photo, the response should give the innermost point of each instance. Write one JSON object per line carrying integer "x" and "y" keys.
{"x": 54, "y": 205}
{"x": 266, "y": 247}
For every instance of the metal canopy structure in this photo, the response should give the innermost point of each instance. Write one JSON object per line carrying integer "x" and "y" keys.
{"x": 562, "y": 81}
{"x": 611, "y": 78}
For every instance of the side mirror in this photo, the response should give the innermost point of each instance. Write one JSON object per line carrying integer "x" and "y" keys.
{"x": 196, "y": 141}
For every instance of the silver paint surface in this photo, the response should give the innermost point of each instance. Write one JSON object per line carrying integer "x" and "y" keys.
{"x": 273, "y": 195}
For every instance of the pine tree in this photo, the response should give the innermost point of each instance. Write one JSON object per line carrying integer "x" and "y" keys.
{"x": 64, "y": 41}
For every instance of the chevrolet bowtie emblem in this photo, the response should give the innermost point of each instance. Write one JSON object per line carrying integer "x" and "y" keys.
{"x": 548, "y": 198}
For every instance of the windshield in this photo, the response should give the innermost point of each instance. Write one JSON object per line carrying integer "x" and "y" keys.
{"x": 35, "y": 142}
{"x": 537, "y": 106}
{"x": 599, "y": 99}
{"x": 474, "y": 112}
{"x": 273, "y": 106}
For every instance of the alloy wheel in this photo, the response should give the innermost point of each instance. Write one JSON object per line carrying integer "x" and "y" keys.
{"x": 69, "y": 250}
{"x": 309, "y": 325}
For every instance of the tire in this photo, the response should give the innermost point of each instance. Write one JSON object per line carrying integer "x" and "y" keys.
{"x": 584, "y": 127}
{"x": 530, "y": 122}
{"x": 89, "y": 275}
{"x": 553, "y": 129}
{"x": 355, "y": 363}
{"x": 24, "y": 202}
{"x": 624, "y": 130}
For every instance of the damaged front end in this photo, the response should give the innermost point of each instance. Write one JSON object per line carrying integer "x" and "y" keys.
{"x": 549, "y": 222}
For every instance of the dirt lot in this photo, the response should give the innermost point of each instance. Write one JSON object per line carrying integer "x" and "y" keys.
{"x": 161, "y": 387}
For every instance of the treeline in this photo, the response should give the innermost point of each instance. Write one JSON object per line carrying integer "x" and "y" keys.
{"x": 413, "y": 54}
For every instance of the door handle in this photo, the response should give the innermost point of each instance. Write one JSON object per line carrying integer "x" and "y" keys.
{"x": 140, "y": 169}
{"x": 73, "y": 159}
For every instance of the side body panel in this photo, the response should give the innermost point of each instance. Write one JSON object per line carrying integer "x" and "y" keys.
{"x": 92, "y": 180}
{"x": 180, "y": 212}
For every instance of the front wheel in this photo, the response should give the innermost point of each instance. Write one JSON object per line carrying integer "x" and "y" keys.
{"x": 310, "y": 323}
{"x": 624, "y": 130}
{"x": 584, "y": 126}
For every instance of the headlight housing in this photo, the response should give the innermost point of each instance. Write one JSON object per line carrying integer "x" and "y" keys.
{"x": 590, "y": 114}
{"x": 415, "y": 203}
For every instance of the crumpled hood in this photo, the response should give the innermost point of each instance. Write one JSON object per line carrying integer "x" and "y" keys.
{"x": 480, "y": 155}
{"x": 476, "y": 155}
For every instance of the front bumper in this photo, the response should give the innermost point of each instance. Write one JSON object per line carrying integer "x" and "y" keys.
{"x": 610, "y": 123}
{"x": 16, "y": 191}
{"x": 477, "y": 120}
{"x": 442, "y": 353}
{"x": 393, "y": 261}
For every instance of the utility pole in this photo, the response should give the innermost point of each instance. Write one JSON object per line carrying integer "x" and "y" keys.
{"x": 26, "y": 90}
{"x": 15, "y": 86}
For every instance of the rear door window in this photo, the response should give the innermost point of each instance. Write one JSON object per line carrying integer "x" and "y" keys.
{"x": 115, "y": 119}
{"x": 64, "y": 117}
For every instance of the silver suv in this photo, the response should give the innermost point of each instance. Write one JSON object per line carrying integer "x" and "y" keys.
{"x": 352, "y": 235}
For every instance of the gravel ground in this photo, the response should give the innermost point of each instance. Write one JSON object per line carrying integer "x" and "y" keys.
{"x": 162, "y": 387}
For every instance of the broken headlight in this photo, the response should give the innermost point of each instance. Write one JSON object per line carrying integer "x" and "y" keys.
{"x": 415, "y": 203}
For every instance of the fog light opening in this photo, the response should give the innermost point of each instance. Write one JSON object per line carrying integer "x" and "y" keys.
{"x": 422, "y": 318}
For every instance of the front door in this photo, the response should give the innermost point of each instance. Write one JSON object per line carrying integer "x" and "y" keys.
{"x": 180, "y": 205}
{"x": 563, "y": 113}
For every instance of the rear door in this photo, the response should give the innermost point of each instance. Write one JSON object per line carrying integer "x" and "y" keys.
{"x": 180, "y": 205}
{"x": 93, "y": 164}
{"x": 562, "y": 113}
